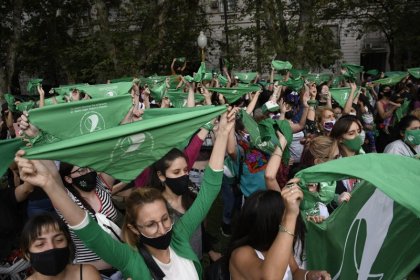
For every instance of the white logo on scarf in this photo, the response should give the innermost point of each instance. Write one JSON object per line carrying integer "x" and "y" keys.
{"x": 377, "y": 213}
{"x": 129, "y": 146}
{"x": 90, "y": 122}
{"x": 110, "y": 93}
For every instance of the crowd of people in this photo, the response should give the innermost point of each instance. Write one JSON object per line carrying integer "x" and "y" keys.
{"x": 63, "y": 221}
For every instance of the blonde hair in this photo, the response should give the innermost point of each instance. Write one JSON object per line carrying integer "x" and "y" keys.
{"x": 321, "y": 148}
{"x": 319, "y": 115}
{"x": 136, "y": 200}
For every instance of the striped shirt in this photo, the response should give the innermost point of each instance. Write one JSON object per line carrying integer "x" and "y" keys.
{"x": 83, "y": 254}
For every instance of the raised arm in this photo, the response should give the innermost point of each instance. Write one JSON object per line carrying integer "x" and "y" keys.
{"x": 44, "y": 173}
{"x": 251, "y": 106}
{"x": 274, "y": 164}
{"x": 349, "y": 101}
{"x": 41, "y": 96}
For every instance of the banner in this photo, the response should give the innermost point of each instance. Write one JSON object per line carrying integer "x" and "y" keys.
{"x": 124, "y": 151}
{"x": 73, "y": 119}
{"x": 376, "y": 234}
{"x": 8, "y": 149}
{"x": 234, "y": 93}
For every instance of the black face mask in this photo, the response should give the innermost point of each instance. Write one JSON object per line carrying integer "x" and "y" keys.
{"x": 161, "y": 243}
{"x": 50, "y": 262}
{"x": 288, "y": 115}
{"x": 178, "y": 185}
{"x": 86, "y": 182}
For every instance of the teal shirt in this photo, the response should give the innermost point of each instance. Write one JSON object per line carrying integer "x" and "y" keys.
{"x": 127, "y": 259}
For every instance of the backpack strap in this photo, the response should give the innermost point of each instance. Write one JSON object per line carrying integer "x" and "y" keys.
{"x": 155, "y": 270}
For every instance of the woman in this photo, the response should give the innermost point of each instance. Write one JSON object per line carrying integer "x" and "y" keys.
{"x": 347, "y": 132}
{"x": 262, "y": 243}
{"x": 148, "y": 225}
{"x": 87, "y": 190}
{"x": 325, "y": 120}
{"x": 408, "y": 143}
{"x": 170, "y": 176}
{"x": 46, "y": 243}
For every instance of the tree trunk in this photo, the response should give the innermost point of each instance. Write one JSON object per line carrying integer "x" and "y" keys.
{"x": 258, "y": 34}
{"x": 105, "y": 33}
{"x": 7, "y": 72}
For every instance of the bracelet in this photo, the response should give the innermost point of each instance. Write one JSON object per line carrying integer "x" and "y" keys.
{"x": 306, "y": 274}
{"x": 274, "y": 154}
{"x": 283, "y": 229}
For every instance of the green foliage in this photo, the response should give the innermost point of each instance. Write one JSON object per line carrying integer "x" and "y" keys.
{"x": 288, "y": 30}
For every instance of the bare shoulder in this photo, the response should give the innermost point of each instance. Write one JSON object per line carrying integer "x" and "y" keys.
{"x": 90, "y": 272}
{"x": 245, "y": 262}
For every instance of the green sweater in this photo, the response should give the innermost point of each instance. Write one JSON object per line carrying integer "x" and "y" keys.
{"x": 127, "y": 259}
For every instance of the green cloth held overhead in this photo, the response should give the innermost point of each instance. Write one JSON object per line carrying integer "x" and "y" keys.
{"x": 252, "y": 128}
{"x": 296, "y": 85}
{"x": 352, "y": 69}
{"x": 32, "y": 86}
{"x": 390, "y": 81}
{"x": 208, "y": 76}
{"x": 296, "y": 74}
{"x": 340, "y": 95}
{"x": 201, "y": 72}
{"x": 281, "y": 65}
{"x": 181, "y": 59}
{"x": 337, "y": 80}
{"x": 318, "y": 78}
{"x": 123, "y": 79}
{"x": 66, "y": 89}
{"x": 402, "y": 111}
{"x": 222, "y": 80}
{"x": 152, "y": 80}
{"x": 245, "y": 77}
{"x": 125, "y": 151}
{"x": 50, "y": 101}
{"x": 8, "y": 149}
{"x": 10, "y": 99}
{"x": 106, "y": 90}
{"x": 390, "y": 74}
{"x": 179, "y": 98}
{"x": 372, "y": 72}
{"x": 81, "y": 117}
{"x": 379, "y": 221}
{"x": 158, "y": 91}
{"x": 234, "y": 93}
{"x": 268, "y": 128}
{"x": 26, "y": 106}
{"x": 415, "y": 72}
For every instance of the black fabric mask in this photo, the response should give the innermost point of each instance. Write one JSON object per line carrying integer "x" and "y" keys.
{"x": 288, "y": 115}
{"x": 161, "y": 243}
{"x": 86, "y": 182}
{"x": 178, "y": 185}
{"x": 50, "y": 262}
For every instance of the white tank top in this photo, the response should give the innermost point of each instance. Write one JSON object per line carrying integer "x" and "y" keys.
{"x": 287, "y": 276}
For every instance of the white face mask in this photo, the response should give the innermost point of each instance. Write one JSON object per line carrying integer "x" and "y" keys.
{"x": 352, "y": 113}
{"x": 363, "y": 136}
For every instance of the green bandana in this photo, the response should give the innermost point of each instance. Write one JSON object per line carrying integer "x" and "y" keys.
{"x": 222, "y": 80}
{"x": 372, "y": 72}
{"x": 82, "y": 117}
{"x": 246, "y": 78}
{"x": 395, "y": 73}
{"x": 201, "y": 72}
{"x": 353, "y": 144}
{"x": 158, "y": 91}
{"x": 181, "y": 59}
{"x": 123, "y": 79}
{"x": 412, "y": 136}
{"x": 268, "y": 128}
{"x": 26, "y": 106}
{"x": 106, "y": 90}
{"x": 402, "y": 111}
{"x": 65, "y": 90}
{"x": 296, "y": 74}
{"x": 10, "y": 99}
{"x": 340, "y": 95}
{"x": 390, "y": 81}
{"x": 295, "y": 85}
{"x": 360, "y": 234}
{"x": 32, "y": 87}
{"x": 281, "y": 65}
{"x": 337, "y": 80}
{"x": 352, "y": 69}
{"x": 233, "y": 94}
{"x": 318, "y": 78}
{"x": 125, "y": 150}
{"x": 8, "y": 149}
{"x": 415, "y": 72}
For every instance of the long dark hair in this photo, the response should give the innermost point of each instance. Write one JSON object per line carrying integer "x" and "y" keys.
{"x": 258, "y": 222}
{"x": 161, "y": 166}
{"x": 403, "y": 124}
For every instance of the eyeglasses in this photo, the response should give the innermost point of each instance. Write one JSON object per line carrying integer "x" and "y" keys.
{"x": 81, "y": 170}
{"x": 152, "y": 227}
